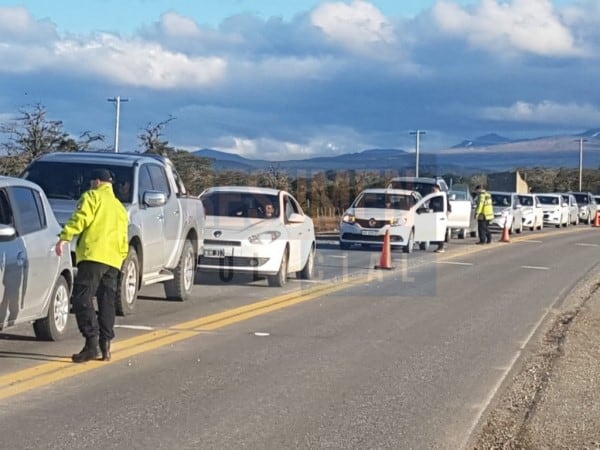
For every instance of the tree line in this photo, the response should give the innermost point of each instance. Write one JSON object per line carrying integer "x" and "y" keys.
{"x": 320, "y": 193}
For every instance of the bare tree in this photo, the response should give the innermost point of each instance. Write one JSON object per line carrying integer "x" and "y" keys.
{"x": 151, "y": 138}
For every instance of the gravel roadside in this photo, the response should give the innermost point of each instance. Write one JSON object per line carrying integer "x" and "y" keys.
{"x": 552, "y": 399}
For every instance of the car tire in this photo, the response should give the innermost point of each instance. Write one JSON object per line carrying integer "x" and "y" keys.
{"x": 461, "y": 234}
{"x": 54, "y": 326}
{"x": 180, "y": 287}
{"x": 280, "y": 278}
{"x": 410, "y": 244}
{"x": 308, "y": 271}
{"x": 128, "y": 284}
{"x": 424, "y": 246}
{"x": 473, "y": 234}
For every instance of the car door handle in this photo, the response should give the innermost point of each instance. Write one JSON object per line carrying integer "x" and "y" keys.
{"x": 160, "y": 217}
{"x": 176, "y": 212}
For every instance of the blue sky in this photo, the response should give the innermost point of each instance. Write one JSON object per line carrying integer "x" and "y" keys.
{"x": 301, "y": 78}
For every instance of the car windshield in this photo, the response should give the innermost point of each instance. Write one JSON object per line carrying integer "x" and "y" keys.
{"x": 501, "y": 200}
{"x": 422, "y": 188}
{"x": 69, "y": 181}
{"x": 458, "y": 195}
{"x": 548, "y": 200}
{"x": 582, "y": 199}
{"x": 526, "y": 200}
{"x": 240, "y": 204}
{"x": 385, "y": 201}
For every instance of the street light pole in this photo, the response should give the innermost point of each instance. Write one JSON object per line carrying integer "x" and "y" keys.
{"x": 418, "y": 134}
{"x": 581, "y": 141}
{"x": 117, "y": 100}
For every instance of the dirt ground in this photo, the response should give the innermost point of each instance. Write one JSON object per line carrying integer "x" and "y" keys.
{"x": 552, "y": 400}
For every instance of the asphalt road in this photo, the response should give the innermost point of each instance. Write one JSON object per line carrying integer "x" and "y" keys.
{"x": 358, "y": 358}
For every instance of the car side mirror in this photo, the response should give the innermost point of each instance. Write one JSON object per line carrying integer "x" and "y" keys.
{"x": 154, "y": 198}
{"x": 296, "y": 218}
{"x": 7, "y": 233}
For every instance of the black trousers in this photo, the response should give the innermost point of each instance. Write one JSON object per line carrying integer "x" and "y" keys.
{"x": 483, "y": 230}
{"x": 98, "y": 280}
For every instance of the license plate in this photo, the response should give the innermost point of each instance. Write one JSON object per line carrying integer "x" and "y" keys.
{"x": 370, "y": 232}
{"x": 214, "y": 252}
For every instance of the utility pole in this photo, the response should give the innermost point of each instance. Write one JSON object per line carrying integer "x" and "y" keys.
{"x": 418, "y": 134}
{"x": 581, "y": 141}
{"x": 117, "y": 100}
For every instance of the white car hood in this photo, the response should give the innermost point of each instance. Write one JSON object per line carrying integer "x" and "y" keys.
{"x": 239, "y": 224}
{"x": 377, "y": 213}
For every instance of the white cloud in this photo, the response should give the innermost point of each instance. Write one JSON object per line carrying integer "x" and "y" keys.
{"x": 358, "y": 27}
{"x": 546, "y": 112}
{"x": 530, "y": 26}
{"x": 137, "y": 63}
{"x": 177, "y": 25}
{"x": 18, "y": 25}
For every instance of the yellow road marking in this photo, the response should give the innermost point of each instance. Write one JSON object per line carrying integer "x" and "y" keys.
{"x": 51, "y": 372}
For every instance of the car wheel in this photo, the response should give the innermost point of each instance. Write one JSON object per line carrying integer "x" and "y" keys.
{"x": 424, "y": 246}
{"x": 280, "y": 278}
{"x": 461, "y": 234}
{"x": 410, "y": 244}
{"x": 308, "y": 271}
{"x": 473, "y": 234}
{"x": 128, "y": 284}
{"x": 180, "y": 287}
{"x": 53, "y": 327}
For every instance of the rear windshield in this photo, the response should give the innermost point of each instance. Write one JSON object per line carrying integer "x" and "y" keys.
{"x": 384, "y": 201}
{"x": 240, "y": 204}
{"x": 69, "y": 181}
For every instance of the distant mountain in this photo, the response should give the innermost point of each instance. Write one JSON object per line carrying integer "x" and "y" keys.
{"x": 489, "y": 153}
{"x": 483, "y": 141}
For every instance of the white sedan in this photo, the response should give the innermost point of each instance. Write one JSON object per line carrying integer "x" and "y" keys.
{"x": 533, "y": 213}
{"x": 260, "y": 231}
{"x": 404, "y": 214}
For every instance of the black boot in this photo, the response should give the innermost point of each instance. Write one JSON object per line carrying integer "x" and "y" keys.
{"x": 105, "y": 349}
{"x": 88, "y": 352}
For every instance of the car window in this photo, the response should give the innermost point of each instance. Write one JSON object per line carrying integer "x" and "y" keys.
{"x": 582, "y": 199}
{"x": 500, "y": 200}
{"x": 6, "y": 215}
{"x": 28, "y": 210}
{"x": 526, "y": 200}
{"x": 160, "y": 182}
{"x": 239, "y": 204}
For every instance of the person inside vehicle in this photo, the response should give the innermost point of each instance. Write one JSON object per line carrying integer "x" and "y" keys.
{"x": 269, "y": 211}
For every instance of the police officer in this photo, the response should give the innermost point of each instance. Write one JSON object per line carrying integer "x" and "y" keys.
{"x": 484, "y": 213}
{"x": 101, "y": 223}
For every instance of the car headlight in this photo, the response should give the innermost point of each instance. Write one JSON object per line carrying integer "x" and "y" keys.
{"x": 266, "y": 237}
{"x": 349, "y": 218}
{"x": 398, "y": 221}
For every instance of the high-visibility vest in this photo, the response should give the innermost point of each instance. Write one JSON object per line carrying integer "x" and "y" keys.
{"x": 485, "y": 209}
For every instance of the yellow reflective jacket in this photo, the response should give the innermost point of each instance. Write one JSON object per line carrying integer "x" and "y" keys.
{"x": 485, "y": 209}
{"x": 101, "y": 222}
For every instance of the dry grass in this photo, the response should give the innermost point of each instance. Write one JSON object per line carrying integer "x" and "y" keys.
{"x": 326, "y": 223}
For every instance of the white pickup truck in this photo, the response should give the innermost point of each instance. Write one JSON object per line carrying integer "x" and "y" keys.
{"x": 166, "y": 225}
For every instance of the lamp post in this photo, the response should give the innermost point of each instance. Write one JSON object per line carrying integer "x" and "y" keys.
{"x": 581, "y": 141}
{"x": 117, "y": 100}
{"x": 418, "y": 134}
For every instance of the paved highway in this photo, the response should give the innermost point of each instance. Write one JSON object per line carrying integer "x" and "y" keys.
{"x": 358, "y": 358}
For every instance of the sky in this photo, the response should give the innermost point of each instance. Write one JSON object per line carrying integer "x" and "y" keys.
{"x": 302, "y": 78}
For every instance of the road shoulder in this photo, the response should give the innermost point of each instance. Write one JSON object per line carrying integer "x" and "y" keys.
{"x": 553, "y": 398}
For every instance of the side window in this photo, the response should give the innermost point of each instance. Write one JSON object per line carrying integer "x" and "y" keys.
{"x": 6, "y": 216}
{"x": 290, "y": 207}
{"x": 28, "y": 210}
{"x": 145, "y": 183}
{"x": 159, "y": 179}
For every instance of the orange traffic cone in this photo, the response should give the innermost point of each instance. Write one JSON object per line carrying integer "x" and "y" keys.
{"x": 505, "y": 233}
{"x": 386, "y": 253}
{"x": 597, "y": 220}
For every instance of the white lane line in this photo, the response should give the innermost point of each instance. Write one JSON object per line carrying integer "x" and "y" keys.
{"x": 532, "y": 241}
{"x": 584, "y": 244}
{"x": 135, "y": 327}
{"x": 535, "y": 267}
{"x": 338, "y": 256}
{"x": 455, "y": 263}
